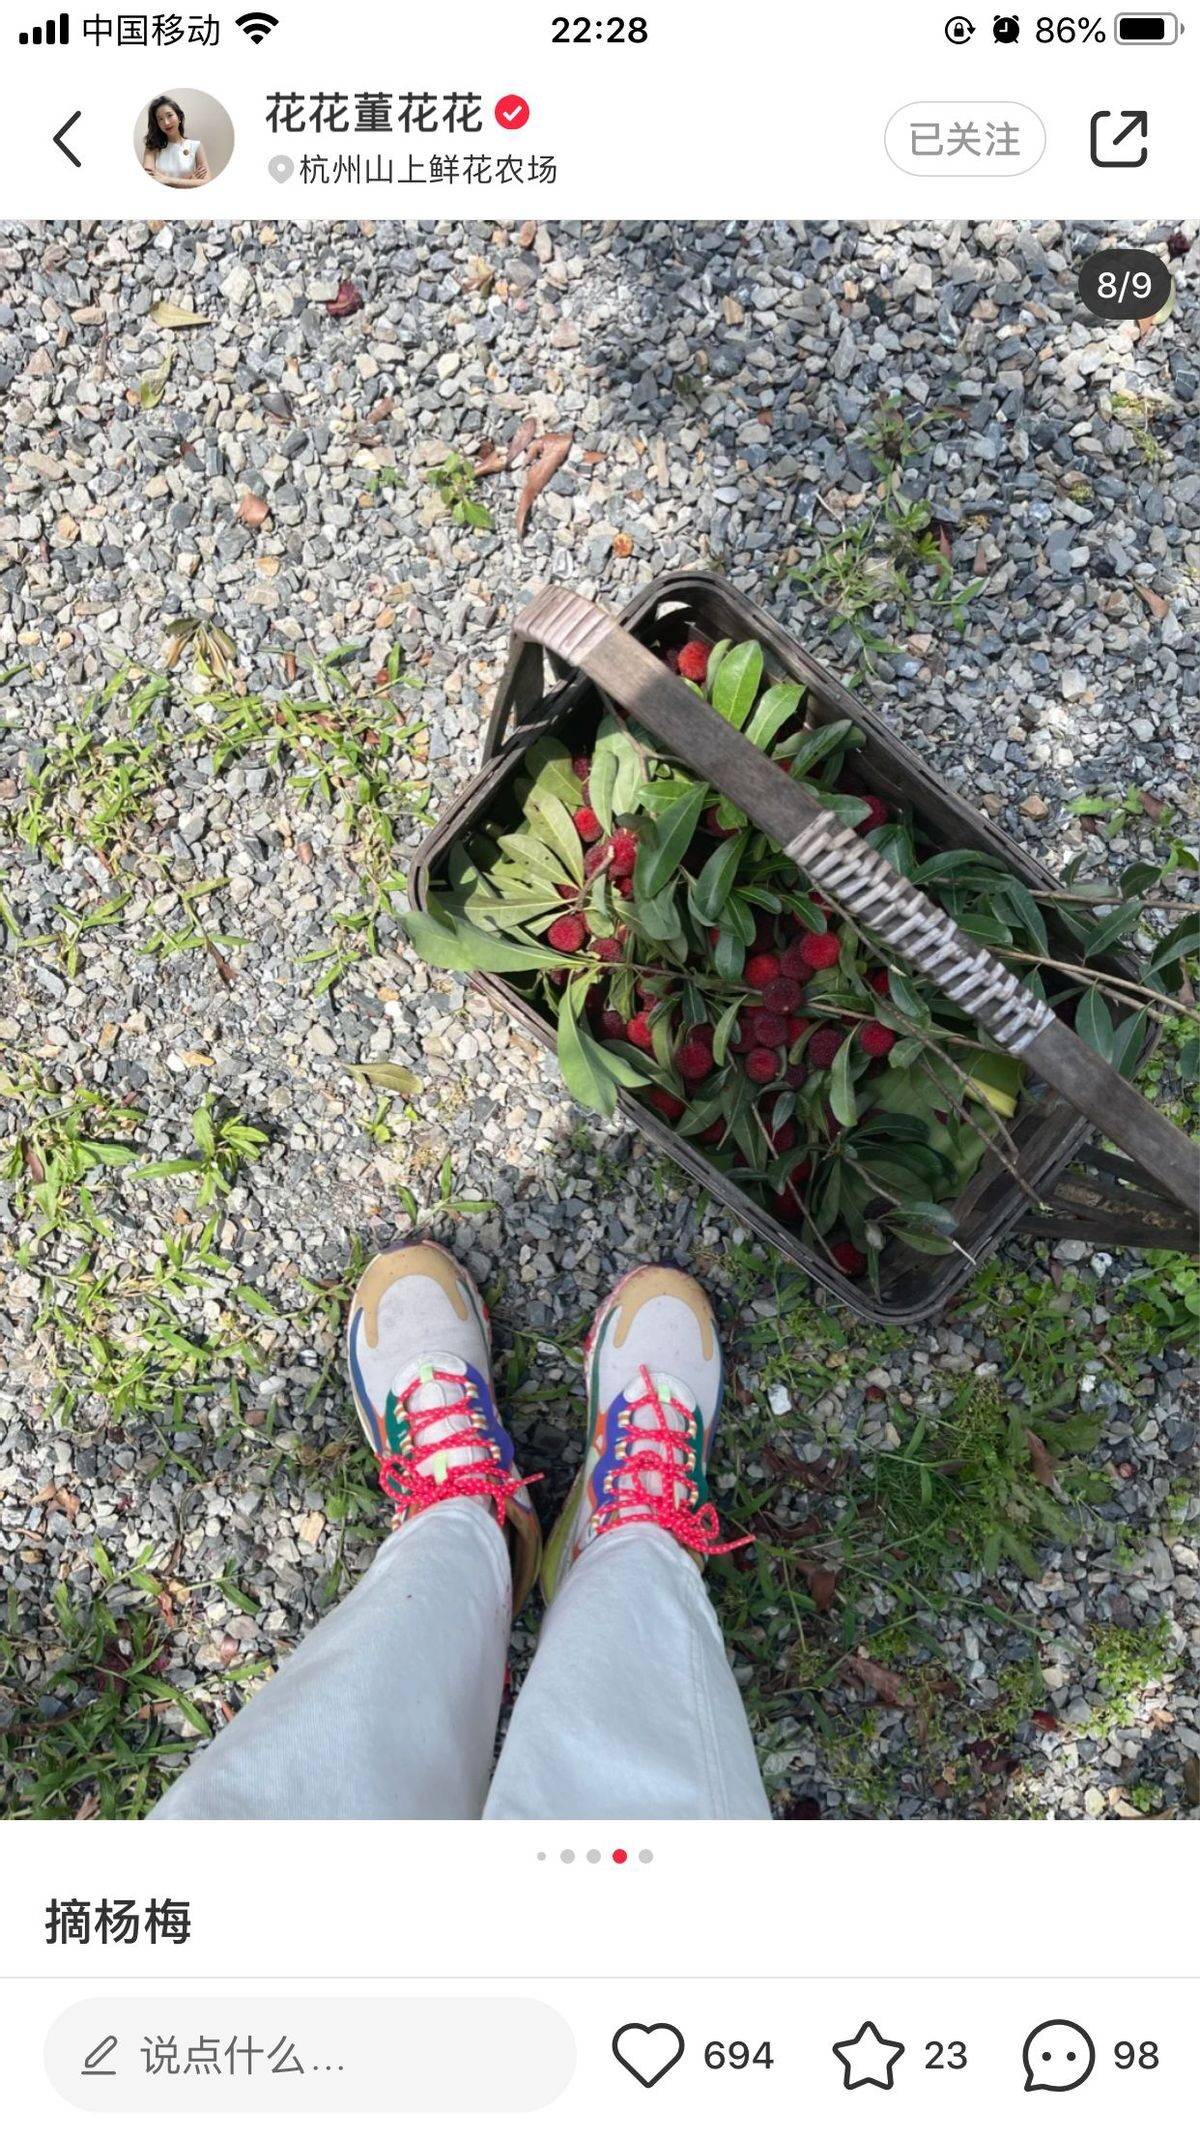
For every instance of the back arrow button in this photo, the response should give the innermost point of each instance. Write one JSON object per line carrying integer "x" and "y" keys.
{"x": 60, "y": 143}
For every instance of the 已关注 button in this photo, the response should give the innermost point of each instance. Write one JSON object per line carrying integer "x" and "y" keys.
{"x": 949, "y": 139}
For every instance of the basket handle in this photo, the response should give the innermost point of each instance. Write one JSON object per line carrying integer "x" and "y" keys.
{"x": 861, "y": 880}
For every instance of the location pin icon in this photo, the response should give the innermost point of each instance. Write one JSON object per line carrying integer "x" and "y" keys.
{"x": 281, "y": 168}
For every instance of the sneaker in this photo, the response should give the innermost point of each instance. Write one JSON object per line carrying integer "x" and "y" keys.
{"x": 419, "y": 1350}
{"x": 654, "y": 1382}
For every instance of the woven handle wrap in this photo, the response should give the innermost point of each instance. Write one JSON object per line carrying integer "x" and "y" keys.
{"x": 837, "y": 860}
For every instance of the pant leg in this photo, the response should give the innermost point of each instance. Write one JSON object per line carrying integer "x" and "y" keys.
{"x": 630, "y": 1709}
{"x": 389, "y": 1706}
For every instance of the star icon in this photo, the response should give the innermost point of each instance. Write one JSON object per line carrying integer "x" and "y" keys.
{"x": 868, "y": 2059}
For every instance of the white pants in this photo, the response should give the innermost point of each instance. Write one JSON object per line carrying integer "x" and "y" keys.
{"x": 389, "y": 1707}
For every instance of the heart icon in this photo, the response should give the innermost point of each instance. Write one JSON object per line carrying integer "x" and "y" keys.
{"x": 648, "y": 2051}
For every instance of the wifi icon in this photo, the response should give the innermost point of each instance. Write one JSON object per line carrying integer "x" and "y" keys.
{"x": 257, "y": 25}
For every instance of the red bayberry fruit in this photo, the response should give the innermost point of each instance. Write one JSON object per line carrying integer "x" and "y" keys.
{"x": 608, "y": 948}
{"x": 800, "y": 1175}
{"x": 694, "y": 1059}
{"x": 793, "y": 963}
{"x": 766, "y": 1028}
{"x": 796, "y": 1076}
{"x": 877, "y": 817}
{"x": 875, "y": 1039}
{"x": 797, "y": 1026}
{"x": 764, "y": 935}
{"x": 638, "y": 1031}
{"x": 582, "y": 767}
{"x": 593, "y": 860}
{"x": 784, "y": 1206}
{"x": 623, "y": 851}
{"x": 781, "y": 1137}
{"x": 820, "y": 950}
{"x": 714, "y": 825}
{"x": 782, "y": 995}
{"x": 824, "y": 1047}
{"x": 587, "y": 822}
{"x": 567, "y": 934}
{"x": 880, "y": 982}
{"x": 693, "y": 660}
{"x": 760, "y": 970}
{"x": 761, "y": 1065}
{"x": 712, "y": 1134}
{"x": 559, "y": 976}
{"x": 848, "y": 1257}
{"x": 612, "y": 1024}
{"x": 672, "y": 1107}
{"x": 624, "y": 886}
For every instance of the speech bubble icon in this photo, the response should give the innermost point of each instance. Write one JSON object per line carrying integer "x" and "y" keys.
{"x": 281, "y": 168}
{"x": 1057, "y": 2055}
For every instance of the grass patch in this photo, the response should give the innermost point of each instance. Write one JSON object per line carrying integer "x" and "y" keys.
{"x": 1128, "y": 1661}
{"x": 892, "y": 559}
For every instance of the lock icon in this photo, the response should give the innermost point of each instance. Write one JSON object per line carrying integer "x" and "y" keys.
{"x": 1006, "y": 29}
{"x": 960, "y": 29}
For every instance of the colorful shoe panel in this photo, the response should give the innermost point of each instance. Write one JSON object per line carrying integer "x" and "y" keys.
{"x": 654, "y": 1379}
{"x": 419, "y": 1354}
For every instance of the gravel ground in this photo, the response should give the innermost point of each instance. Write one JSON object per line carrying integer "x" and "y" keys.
{"x": 714, "y": 381}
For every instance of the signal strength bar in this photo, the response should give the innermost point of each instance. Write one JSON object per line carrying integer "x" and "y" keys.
{"x": 54, "y": 33}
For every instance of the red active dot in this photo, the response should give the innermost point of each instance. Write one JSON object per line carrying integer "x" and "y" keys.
{"x": 619, "y": 1858}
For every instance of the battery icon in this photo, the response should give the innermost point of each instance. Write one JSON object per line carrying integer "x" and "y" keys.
{"x": 1147, "y": 29}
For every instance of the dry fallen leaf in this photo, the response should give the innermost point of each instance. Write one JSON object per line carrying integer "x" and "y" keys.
{"x": 223, "y": 968}
{"x": 382, "y": 1074}
{"x": 879, "y": 1679}
{"x": 33, "y": 1163}
{"x": 545, "y": 458}
{"x": 1154, "y": 601}
{"x": 175, "y": 318}
{"x": 347, "y": 301}
{"x": 61, "y": 1498}
{"x": 253, "y": 510}
{"x": 520, "y": 441}
{"x": 822, "y": 1585}
{"x": 622, "y": 544}
{"x": 490, "y": 459}
{"x": 154, "y": 384}
{"x": 1039, "y": 1459}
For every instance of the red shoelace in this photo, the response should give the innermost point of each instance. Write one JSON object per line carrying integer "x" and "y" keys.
{"x": 663, "y": 1449}
{"x": 400, "y": 1475}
